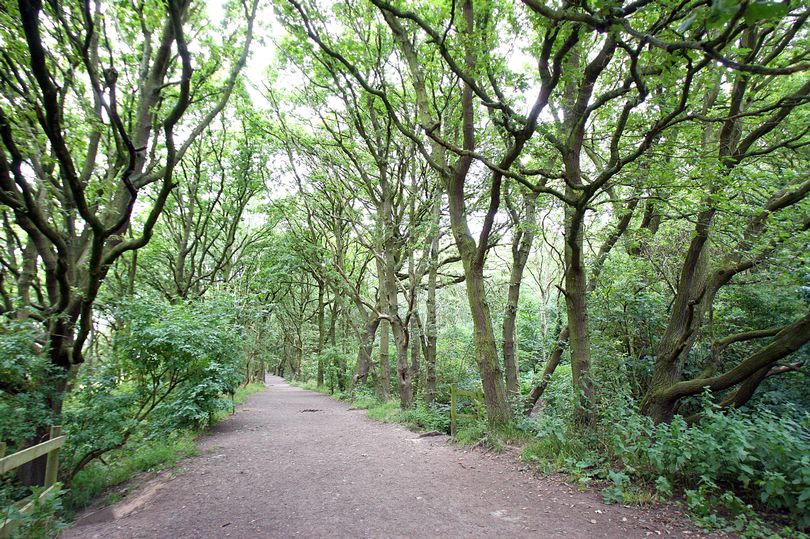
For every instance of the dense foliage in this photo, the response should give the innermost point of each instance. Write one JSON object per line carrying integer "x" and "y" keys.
{"x": 171, "y": 368}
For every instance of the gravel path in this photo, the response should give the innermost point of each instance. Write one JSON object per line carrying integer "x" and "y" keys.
{"x": 293, "y": 463}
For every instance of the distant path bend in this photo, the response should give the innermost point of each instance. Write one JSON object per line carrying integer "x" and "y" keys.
{"x": 293, "y": 463}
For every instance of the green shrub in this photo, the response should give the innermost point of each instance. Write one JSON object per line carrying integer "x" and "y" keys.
{"x": 763, "y": 457}
{"x": 364, "y": 398}
{"x": 43, "y": 522}
{"x": 555, "y": 444}
{"x": 190, "y": 352}
{"x": 384, "y": 411}
{"x": 742, "y": 461}
{"x": 471, "y": 432}
{"x": 336, "y": 368}
{"x": 141, "y": 454}
{"x": 174, "y": 367}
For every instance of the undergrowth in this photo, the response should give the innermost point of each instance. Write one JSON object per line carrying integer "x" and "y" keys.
{"x": 731, "y": 471}
{"x": 421, "y": 417}
{"x": 431, "y": 418}
{"x": 43, "y": 522}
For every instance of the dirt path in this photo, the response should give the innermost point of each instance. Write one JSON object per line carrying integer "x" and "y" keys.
{"x": 292, "y": 463}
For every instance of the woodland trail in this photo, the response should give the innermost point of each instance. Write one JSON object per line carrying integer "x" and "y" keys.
{"x": 293, "y": 463}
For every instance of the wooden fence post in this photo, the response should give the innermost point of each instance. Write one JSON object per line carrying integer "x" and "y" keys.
{"x": 50, "y": 448}
{"x": 52, "y": 465}
{"x": 453, "y": 410}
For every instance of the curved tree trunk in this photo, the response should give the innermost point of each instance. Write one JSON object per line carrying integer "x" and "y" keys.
{"x": 660, "y": 404}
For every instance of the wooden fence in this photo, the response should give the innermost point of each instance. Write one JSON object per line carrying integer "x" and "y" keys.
{"x": 15, "y": 460}
{"x": 476, "y": 396}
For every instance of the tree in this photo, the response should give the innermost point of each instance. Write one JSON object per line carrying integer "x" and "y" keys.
{"x": 204, "y": 236}
{"x": 93, "y": 97}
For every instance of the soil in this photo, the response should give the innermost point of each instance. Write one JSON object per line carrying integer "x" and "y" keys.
{"x": 293, "y": 463}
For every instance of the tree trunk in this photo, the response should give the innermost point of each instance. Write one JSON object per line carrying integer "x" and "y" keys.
{"x": 415, "y": 339}
{"x": 684, "y": 322}
{"x": 399, "y": 331}
{"x": 562, "y": 339}
{"x": 510, "y": 363}
{"x": 33, "y": 472}
{"x": 384, "y": 371}
{"x": 364, "y": 351}
{"x": 404, "y": 380}
{"x": 28, "y": 270}
{"x": 548, "y": 372}
{"x": 577, "y": 307}
{"x": 321, "y": 331}
{"x": 521, "y": 247}
{"x": 414, "y": 335}
{"x": 661, "y": 404}
{"x": 332, "y": 334}
{"x": 486, "y": 353}
{"x": 430, "y": 322}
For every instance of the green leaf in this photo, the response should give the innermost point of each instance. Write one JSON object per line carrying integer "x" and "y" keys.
{"x": 721, "y": 12}
{"x": 758, "y": 11}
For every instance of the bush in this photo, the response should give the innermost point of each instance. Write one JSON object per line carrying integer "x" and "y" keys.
{"x": 138, "y": 456}
{"x": 471, "y": 432}
{"x": 744, "y": 460}
{"x": 364, "y": 398}
{"x": 554, "y": 443}
{"x": 172, "y": 368}
{"x": 42, "y": 522}
{"x": 384, "y": 411}
{"x": 763, "y": 457}
{"x": 740, "y": 460}
{"x": 336, "y": 367}
{"x": 191, "y": 352}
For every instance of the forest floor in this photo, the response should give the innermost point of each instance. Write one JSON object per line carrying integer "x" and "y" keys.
{"x": 293, "y": 463}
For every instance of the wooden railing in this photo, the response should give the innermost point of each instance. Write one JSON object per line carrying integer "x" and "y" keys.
{"x": 476, "y": 396}
{"x": 15, "y": 460}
